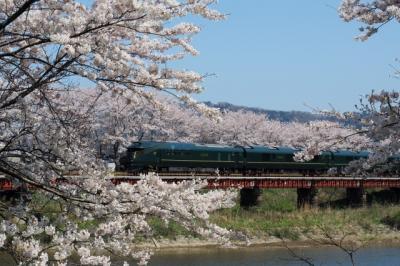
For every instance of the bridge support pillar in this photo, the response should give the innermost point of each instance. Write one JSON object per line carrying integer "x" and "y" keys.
{"x": 396, "y": 194}
{"x": 306, "y": 198}
{"x": 356, "y": 196}
{"x": 249, "y": 197}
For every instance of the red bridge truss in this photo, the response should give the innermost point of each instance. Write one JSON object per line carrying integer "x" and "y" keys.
{"x": 279, "y": 181}
{"x": 260, "y": 182}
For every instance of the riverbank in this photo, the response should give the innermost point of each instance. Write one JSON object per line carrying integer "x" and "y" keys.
{"x": 390, "y": 239}
{"x": 384, "y": 255}
{"x": 276, "y": 220}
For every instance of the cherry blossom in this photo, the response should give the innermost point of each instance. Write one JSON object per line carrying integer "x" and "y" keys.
{"x": 47, "y": 125}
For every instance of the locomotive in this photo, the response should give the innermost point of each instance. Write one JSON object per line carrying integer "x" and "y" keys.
{"x": 176, "y": 158}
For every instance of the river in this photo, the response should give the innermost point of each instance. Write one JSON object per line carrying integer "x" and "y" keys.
{"x": 252, "y": 256}
{"x": 369, "y": 256}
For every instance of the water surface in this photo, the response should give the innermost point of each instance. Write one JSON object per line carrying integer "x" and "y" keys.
{"x": 252, "y": 256}
{"x": 374, "y": 255}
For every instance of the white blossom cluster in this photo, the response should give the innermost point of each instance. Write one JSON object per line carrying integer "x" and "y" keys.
{"x": 47, "y": 129}
{"x": 381, "y": 124}
{"x": 117, "y": 45}
{"x": 47, "y": 149}
{"x": 378, "y": 120}
{"x": 118, "y": 215}
{"x": 374, "y": 14}
{"x": 124, "y": 123}
{"x": 379, "y": 111}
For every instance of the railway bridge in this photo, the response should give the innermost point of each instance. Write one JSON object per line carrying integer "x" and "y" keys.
{"x": 307, "y": 186}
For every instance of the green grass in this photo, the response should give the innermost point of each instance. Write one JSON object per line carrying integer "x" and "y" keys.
{"x": 393, "y": 220}
{"x": 170, "y": 230}
{"x": 53, "y": 208}
{"x": 277, "y": 215}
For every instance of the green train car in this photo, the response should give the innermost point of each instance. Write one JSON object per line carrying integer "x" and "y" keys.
{"x": 176, "y": 157}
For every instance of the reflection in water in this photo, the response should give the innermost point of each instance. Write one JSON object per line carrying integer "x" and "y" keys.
{"x": 252, "y": 256}
{"x": 383, "y": 256}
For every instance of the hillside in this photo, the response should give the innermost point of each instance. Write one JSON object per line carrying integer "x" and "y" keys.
{"x": 283, "y": 116}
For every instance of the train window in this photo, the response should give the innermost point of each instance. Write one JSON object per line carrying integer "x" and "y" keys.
{"x": 318, "y": 158}
{"x": 229, "y": 156}
{"x": 219, "y": 156}
{"x": 280, "y": 157}
{"x": 341, "y": 159}
{"x": 137, "y": 153}
{"x": 266, "y": 157}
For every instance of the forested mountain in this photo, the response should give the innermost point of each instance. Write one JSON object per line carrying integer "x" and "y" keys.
{"x": 282, "y": 116}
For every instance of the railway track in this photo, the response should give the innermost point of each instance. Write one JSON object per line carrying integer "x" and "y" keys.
{"x": 241, "y": 181}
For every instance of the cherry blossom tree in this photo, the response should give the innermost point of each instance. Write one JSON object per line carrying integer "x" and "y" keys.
{"x": 379, "y": 111}
{"x": 248, "y": 128}
{"x": 373, "y": 14}
{"x": 174, "y": 123}
{"x": 120, "y": 122}
{"x": 121, "y": 48}
{"x": 378, "y": 116}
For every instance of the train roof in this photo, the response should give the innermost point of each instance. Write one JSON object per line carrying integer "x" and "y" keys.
{"x": 350, "y": 153}
{"x": 174, "y": 145}
{"x": 264, "y": 149}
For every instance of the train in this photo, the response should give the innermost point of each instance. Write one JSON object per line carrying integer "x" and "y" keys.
{"x": 193, "y": 158}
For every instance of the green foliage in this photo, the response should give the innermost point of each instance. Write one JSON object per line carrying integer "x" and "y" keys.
{"x": 286, "y": 233}
{"x": 393, "y": 220}
{"x": 277, "y": 215}
{"x": 170, "y": 230}
{"x": 52, "y": 208}
{"x": 278, "y": 200}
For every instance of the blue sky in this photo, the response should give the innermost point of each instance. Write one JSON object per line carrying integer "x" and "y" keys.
{"x": 288, "y": 55}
